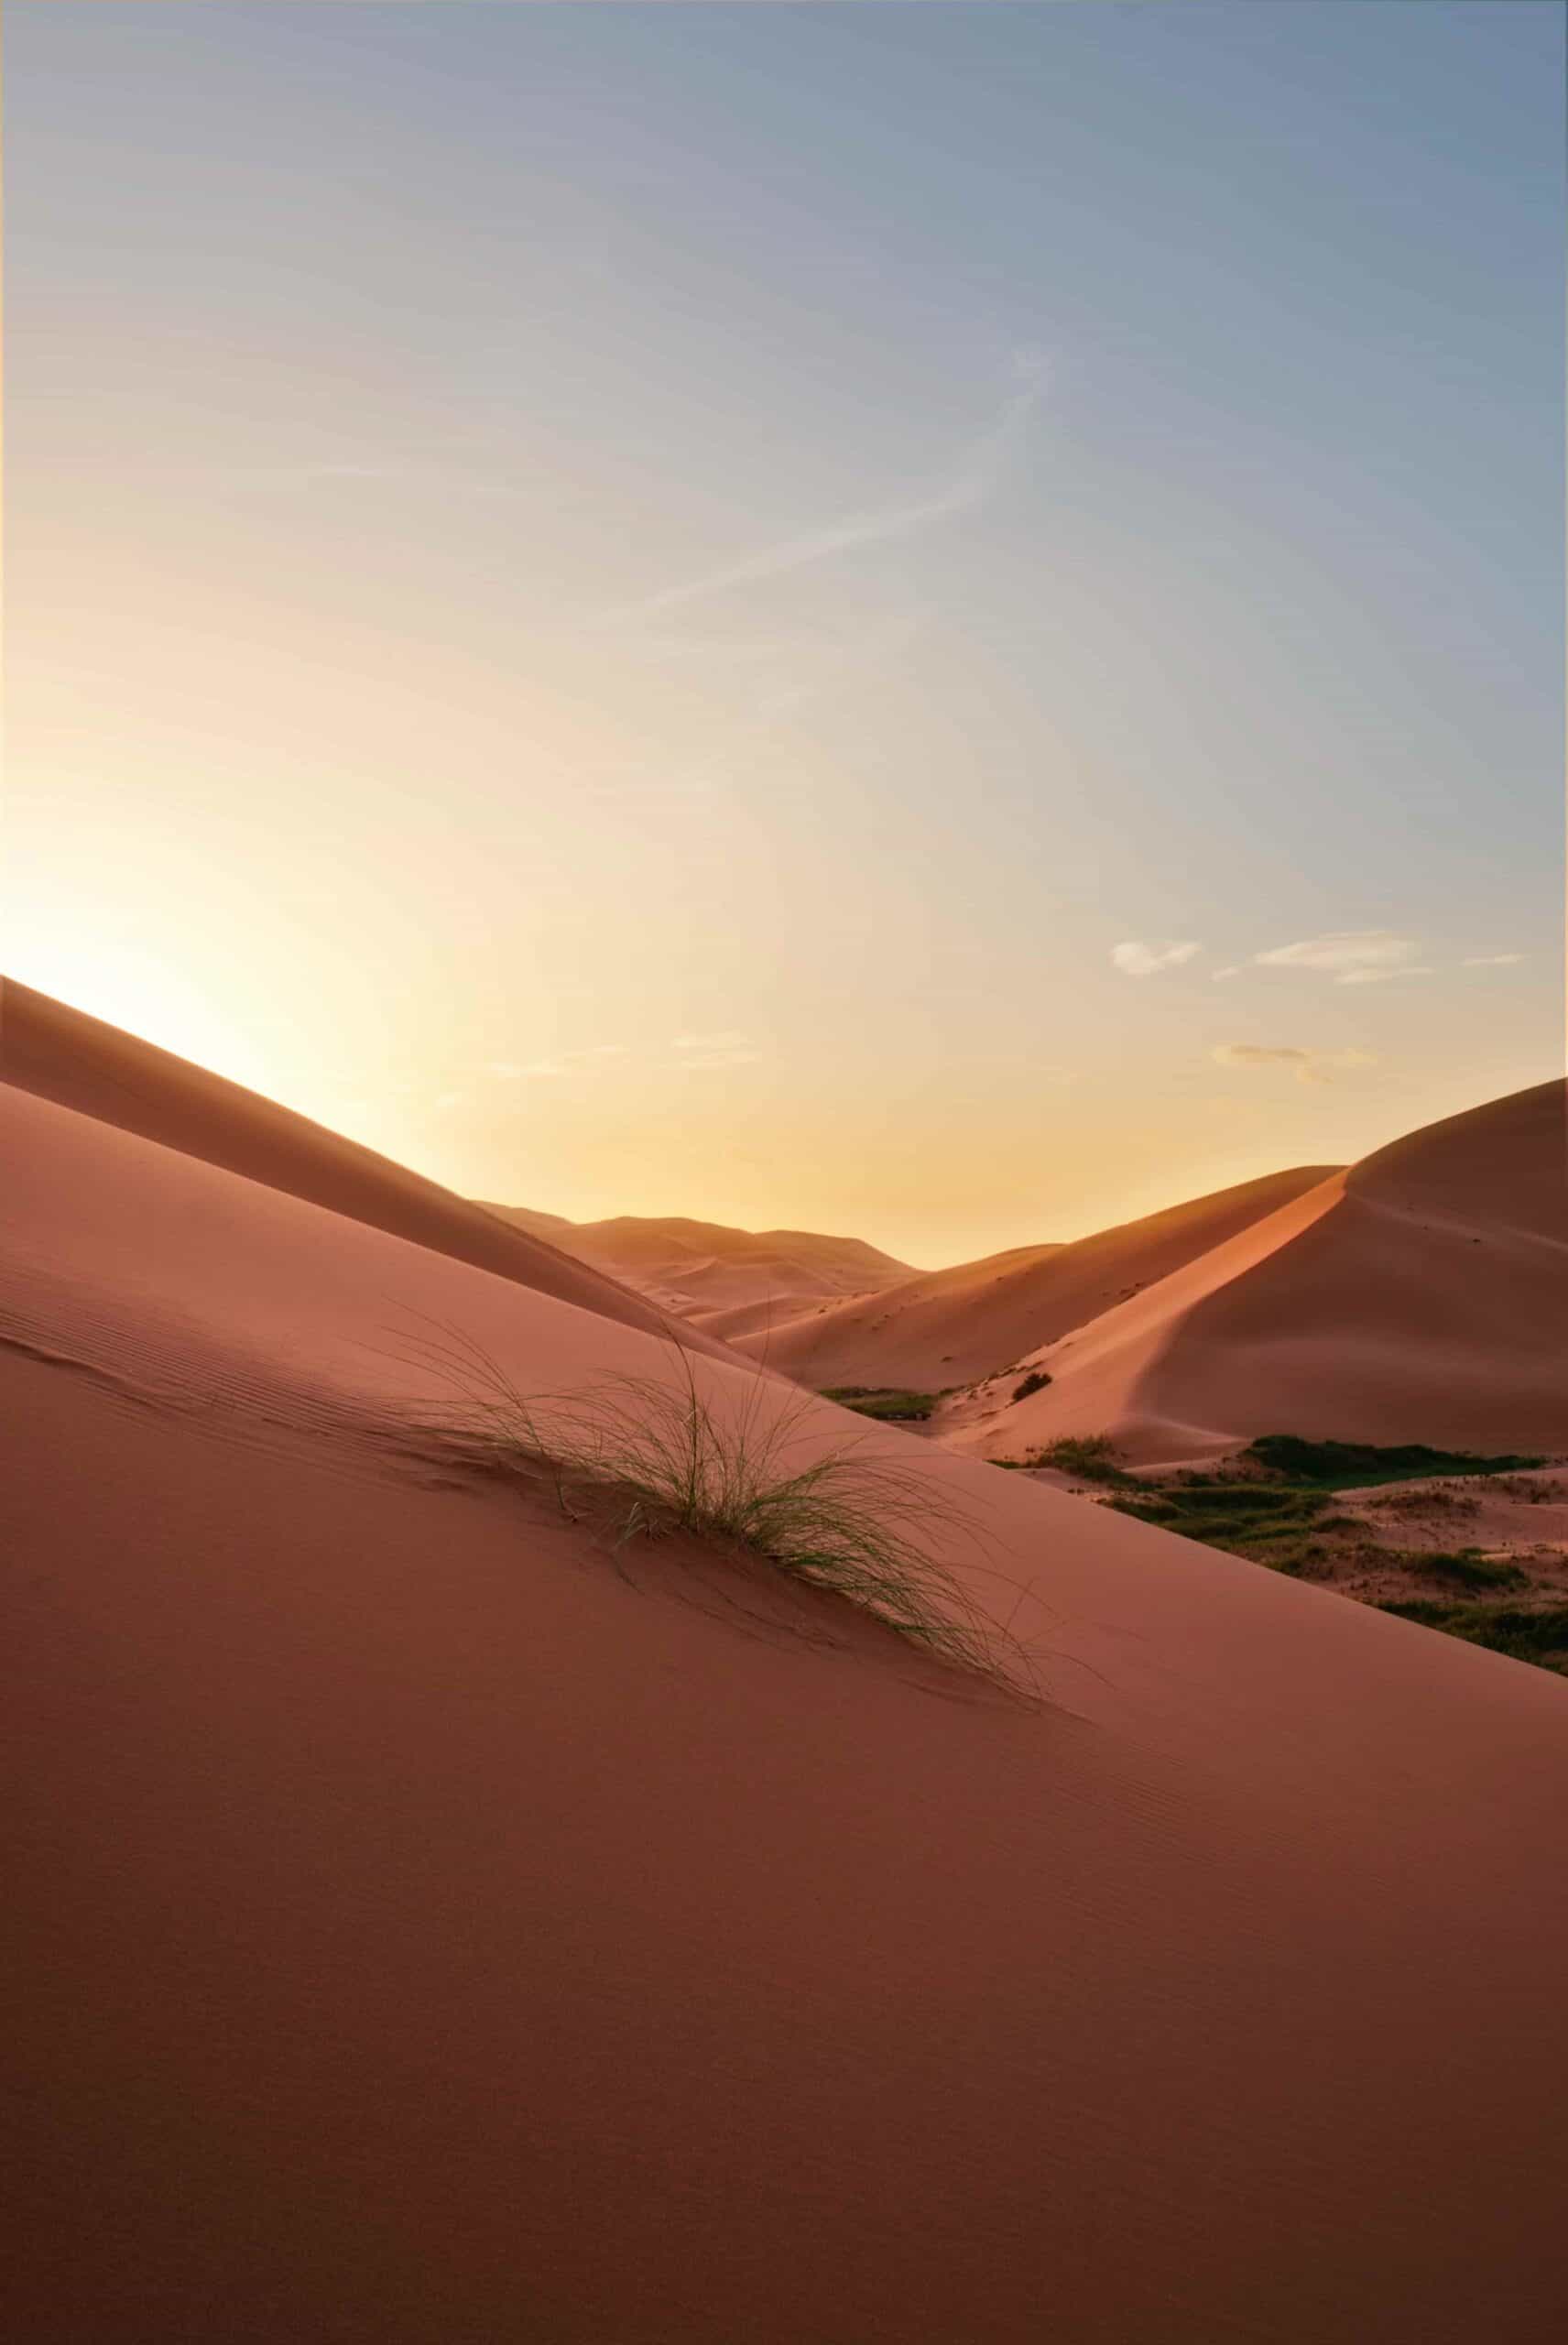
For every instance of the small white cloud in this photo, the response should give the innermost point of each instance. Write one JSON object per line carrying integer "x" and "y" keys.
{"x": 1220, "y": 974}
{"x": 705, "y": 1053}
{"x": 1491, "y": 960}
{"x": 1309, "y": 1067}
{"x": 1351, "y": 956}
{"x": 1140, "y": 957}
{"x": 1253, "y": 1054}
{"x": 1321, "y": 1065}
{"x": 511, "y": 1071}
{"x": 1384, "y": 976}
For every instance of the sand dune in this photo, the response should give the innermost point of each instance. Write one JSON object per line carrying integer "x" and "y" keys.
{"x": 62, "y": 1054}
{"x": 427, "y": 1926}
{"x": 947, "y": 1327}
{"x": 1421, "y": 1296}
{"x": 716, "y": 1276}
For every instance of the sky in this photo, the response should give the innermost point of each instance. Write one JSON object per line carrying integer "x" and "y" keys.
{"x": 938, "y": 622}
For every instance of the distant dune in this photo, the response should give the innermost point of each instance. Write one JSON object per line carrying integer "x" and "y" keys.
{"x": 426, "y": 1924}
{"x": 948, "y": 1327}
{"x": 1421, "y": 1296}
{"x": 716, "y": 1277}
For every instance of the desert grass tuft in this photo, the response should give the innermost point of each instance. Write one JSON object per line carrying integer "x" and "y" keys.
{"x": 650, "y": 1456}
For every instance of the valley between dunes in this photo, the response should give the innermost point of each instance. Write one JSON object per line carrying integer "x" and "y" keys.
{"x": 1421, "y": 1295}
{"x": 430, "y": 1920}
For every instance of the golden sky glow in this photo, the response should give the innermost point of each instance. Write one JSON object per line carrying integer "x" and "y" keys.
{"x": 633, "y": 681}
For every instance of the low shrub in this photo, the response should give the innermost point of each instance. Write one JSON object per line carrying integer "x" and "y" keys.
{"x": 1263, "y": 1521}
{"x": 1091, "y": 1457}
{"x": 1343, "y": 1465}
{"x": 887, "y": 1403}
{"x": 1465, "y": 1568}
{"x": 1535, "y": 1634}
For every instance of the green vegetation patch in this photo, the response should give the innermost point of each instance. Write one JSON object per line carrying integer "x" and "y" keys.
{"x": 1091, "y": 1457}
{"x": 1035, "y": 1381}
{"x": 888, "y": 1404}
{"x": 1465, "y": 1568}
{"x": 1347, "y": 1465}
{"x": 1283, "y": 1525}
{"x": 1282, "y": 1515}
{"x": 1264, "y": 1521}
{"x": 1522, "y": 1632}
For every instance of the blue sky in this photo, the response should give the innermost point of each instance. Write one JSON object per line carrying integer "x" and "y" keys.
{"x": 736, "y": 553}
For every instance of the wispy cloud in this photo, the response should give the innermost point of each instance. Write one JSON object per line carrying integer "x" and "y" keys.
{"x": 1491, "y": 960}
{"x": 1219, "y": 975}
{"x": 976, "y": 474}
{"x": 632, "y": 783}
{"x": 1309, "y": 1067}
{"x": 879, "y": 642}
{"x": 1142, "y": 956}
{"x": 704, "y": 1052}
{"x": 301, "y": 475}
{"x": 1351, "y": 956}
{"x": 568, "y": 1063}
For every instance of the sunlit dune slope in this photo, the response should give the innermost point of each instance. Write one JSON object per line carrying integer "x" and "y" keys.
{"x": 711, "y": 1273}
{"x": 426, "y": 1924}
{"x": 62, "y": 1054}
{"x": 947, "y": 1327}
{"x": 1421, "y": 1296}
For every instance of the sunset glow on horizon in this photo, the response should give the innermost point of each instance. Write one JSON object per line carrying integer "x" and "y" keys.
{"x": 922, "y": 621}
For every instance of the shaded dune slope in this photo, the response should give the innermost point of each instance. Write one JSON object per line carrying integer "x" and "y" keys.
{"x": 79, "y": 1061}
{"x": 947, "y": 1327}
{"x": 422, "y": 1927}
{"x": 1421, "y": 1296}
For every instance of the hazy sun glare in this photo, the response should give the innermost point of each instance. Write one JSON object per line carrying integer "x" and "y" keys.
{"x": 161, "y": 1002}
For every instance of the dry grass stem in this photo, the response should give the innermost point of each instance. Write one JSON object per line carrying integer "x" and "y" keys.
{"x": 653, "y": 1454}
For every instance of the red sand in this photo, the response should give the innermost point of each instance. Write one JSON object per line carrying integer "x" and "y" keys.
{"x": 1421, "y": 1296}
{"x": 419, "y": 1933}
{"x": 948, "y": 1327}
